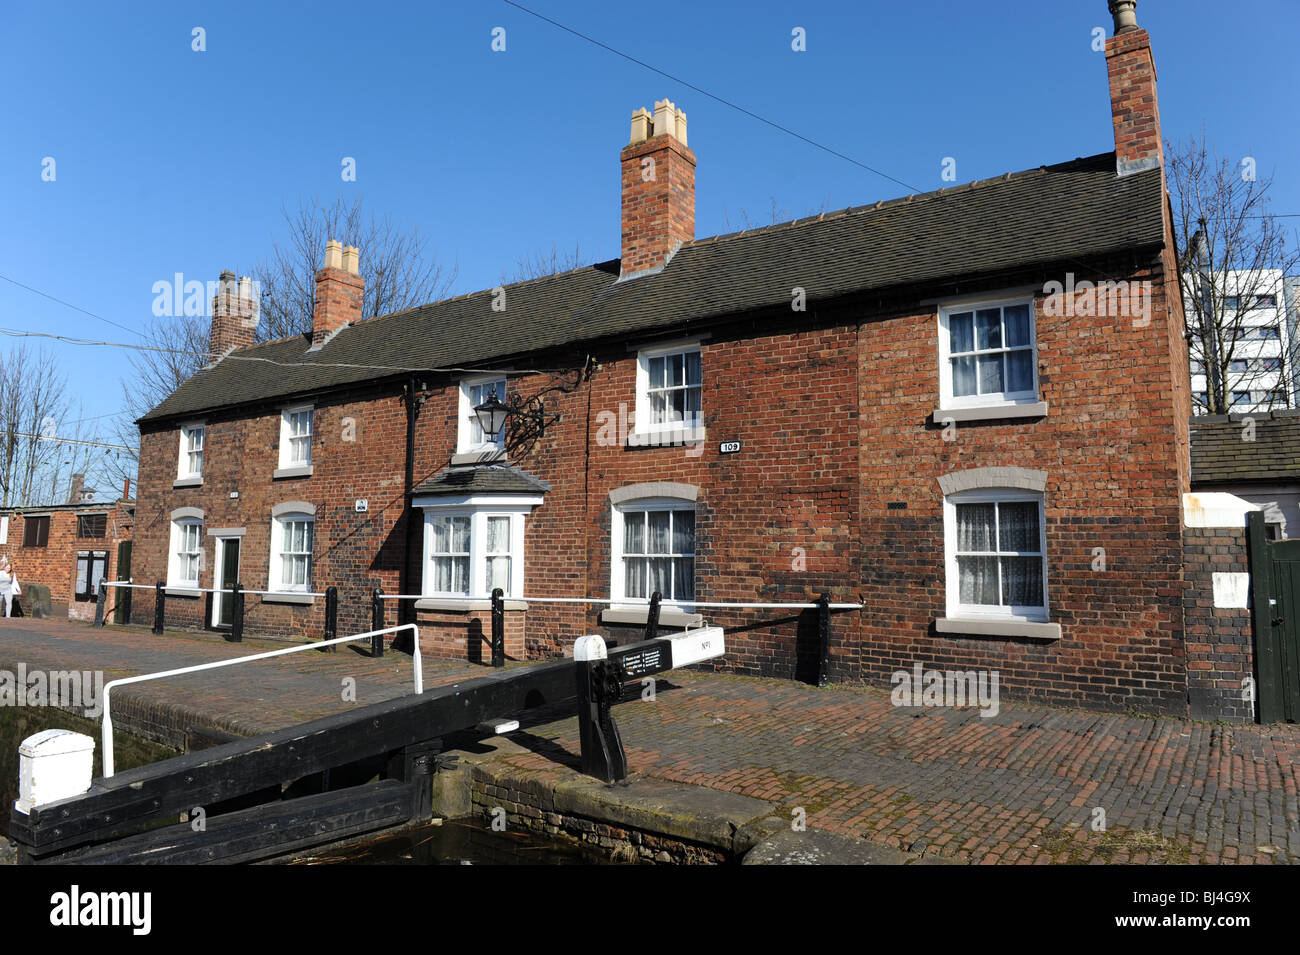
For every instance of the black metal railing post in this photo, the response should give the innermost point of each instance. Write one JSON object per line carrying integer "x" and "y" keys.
{"x": 159, "y": 601}
{"x": 498, "y": 627}
{"x": 331, "y": 615}
{"x": 652, "y": 617}
{"x": 124, "y": 602}
{"x": 236, "y": 612}
{"x": 377, "y": 621}
{"x": 101, "y": 596}
{"x": 824, "y": 637}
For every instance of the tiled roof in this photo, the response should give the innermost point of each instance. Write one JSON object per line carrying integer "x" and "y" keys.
{"x": 1053, "y": 214}
{"x": 490, "y": 479}
{"x": 1223, "y": 451}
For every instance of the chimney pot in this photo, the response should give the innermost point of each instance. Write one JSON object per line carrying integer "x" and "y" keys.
{"x": 1125, "y": 15}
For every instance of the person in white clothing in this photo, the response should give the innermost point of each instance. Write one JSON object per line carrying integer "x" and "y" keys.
{"x": 8, "y": 583}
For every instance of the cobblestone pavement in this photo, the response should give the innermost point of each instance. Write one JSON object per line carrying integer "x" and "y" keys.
{"x": 1029, "y": 785}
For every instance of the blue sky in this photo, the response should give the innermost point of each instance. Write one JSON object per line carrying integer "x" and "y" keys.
{"x": 170, "y": 160}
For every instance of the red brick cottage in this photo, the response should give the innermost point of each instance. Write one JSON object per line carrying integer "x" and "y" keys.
{"x": 937, "y": 414}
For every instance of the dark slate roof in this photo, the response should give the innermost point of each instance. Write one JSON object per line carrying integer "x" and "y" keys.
{"x": 1052, "y": 214}
{"x": 1220, "y": 455}
{"x": 490, "y": 479}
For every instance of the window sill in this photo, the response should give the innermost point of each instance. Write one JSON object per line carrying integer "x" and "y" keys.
{"x": 1035, "y": 409}
{"x": 171, "y": 591}
{"x": 303, "y": 600}
{"x": 465, "y": 606}
{"x": 993, "y": 627}
{"x": 488, "y": 456}
{"x": 188, "y": 482}
{"x": 296, "y": 470}
{"x": 668, "y": 438}
{"x": 668, "y": 616}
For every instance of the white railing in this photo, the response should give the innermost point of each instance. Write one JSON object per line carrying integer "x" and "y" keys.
{"x": 637, "y": 601}
{"x": 107, "y": 731}
{"x": 213, "y": 590}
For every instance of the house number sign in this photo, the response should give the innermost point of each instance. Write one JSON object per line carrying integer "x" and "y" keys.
{"x": 729, "y": 447}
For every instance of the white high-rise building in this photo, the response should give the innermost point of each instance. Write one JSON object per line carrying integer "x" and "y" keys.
{"x": 1256, "y": 343}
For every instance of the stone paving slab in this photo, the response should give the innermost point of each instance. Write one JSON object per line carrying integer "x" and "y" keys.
{"x": 1032, "y": 784}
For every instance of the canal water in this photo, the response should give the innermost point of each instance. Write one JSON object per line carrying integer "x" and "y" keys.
{"x": 455, "y": 842}
{"x": 458, "y": 842}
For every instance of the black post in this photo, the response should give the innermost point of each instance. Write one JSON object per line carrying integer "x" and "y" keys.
{"x": 158, "y": 602}
{"x": 377, "y": 621}
{"x": 236, "y": 612}
{"x": 498, "y": 627}
{"x": 652, "y": 617}
{"x": 101, "y": 595}
{"x": 124, "y": 602}
{"x": 599, "y": 687}
{"x": 824, "y": 634}
{"x": 331, "y": 615}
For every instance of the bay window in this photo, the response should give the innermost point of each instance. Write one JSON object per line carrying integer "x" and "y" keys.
{"x": 474, "y": 544}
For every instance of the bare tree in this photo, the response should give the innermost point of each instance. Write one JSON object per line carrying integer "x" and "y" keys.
{"x": 775, "y": 215}
{"x": 400, "y": 273}
{"x": 541, "y": 264}
{"x": 399, "y": 270}
{"x": 1235, "y": 256}
{"x": 42, "y": 441}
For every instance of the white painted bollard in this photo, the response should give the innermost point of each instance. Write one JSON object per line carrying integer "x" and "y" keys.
{"x": 53, "y": 765}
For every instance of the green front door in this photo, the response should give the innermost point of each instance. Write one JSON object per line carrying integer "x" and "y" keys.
{"x": 225, "y": 603}
{"x": 1275, "y": 594}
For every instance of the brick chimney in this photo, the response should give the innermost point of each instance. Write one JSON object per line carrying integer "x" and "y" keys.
{"x": 234, "y": 314}
{"x": 1133, "y": 104}
{"x": 340, "y": 290}
{"x": 658, "y": 189}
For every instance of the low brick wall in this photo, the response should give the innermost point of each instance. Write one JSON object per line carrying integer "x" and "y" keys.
{"x": 1220, "y": 642}
{"x": 526, "y": 809}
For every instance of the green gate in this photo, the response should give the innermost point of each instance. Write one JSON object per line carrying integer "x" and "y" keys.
{"x": 121, "y": 596}
{"x": 1275, "y": 618}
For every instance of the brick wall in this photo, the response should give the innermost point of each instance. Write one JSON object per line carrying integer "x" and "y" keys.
{"x": 1220, "y": 642}
{"x": 55, "y": 564}
{"x": 833, "y": 411}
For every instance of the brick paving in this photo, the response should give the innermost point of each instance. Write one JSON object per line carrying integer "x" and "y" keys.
{"x": 1024, "y": 786}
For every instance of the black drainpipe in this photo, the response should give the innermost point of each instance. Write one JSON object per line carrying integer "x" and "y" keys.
{"x": 405, "y": 611}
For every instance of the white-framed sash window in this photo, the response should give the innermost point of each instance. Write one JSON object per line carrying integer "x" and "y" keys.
{"x": 295, "y": 436}
{"x": 987, "y": 353}
{"x": 186, "y": 553}
{"x": 292, "y": 545}
{"x": 670, "y": 389}
{"x": 995, "y": 544}
{"x": 652, "y": 548}
{"x": 190, "y": 462}
{"x": 473, "y": 392}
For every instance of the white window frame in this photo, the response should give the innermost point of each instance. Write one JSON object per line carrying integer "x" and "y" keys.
{"x": 618, "y": 575}
{"x": 185, "y": 457}
{"x": 467, "y": 428}
{"x": 478, "y": 509}
{"x": 955, "y": 608}
{"x": 275, "y": 582}
{"x": 643, "y": 423}
{"x": 174, "y": 578}
{"x": 947, "y": 402}
{"x": 286, "y": 446}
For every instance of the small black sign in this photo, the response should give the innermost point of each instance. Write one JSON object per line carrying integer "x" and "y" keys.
{"x": 897, "y": 505}
{"x": 649, "y": 660}
{"x": 729, "y": 447}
